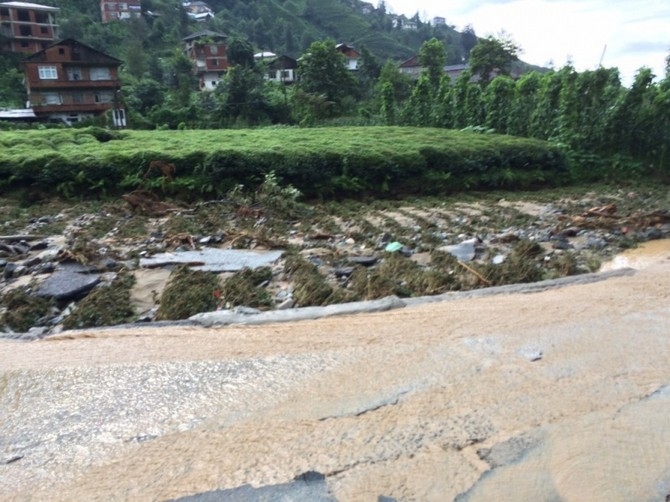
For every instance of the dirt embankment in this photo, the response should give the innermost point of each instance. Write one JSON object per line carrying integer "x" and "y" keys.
{"x": 558, "y": 395}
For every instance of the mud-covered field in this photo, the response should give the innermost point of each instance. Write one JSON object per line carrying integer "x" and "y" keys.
{"x": 123, "y": 250}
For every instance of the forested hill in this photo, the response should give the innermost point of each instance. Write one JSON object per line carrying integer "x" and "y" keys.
{"x": 281, "y": 26}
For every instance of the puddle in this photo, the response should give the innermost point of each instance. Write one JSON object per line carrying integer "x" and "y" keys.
{"x": 642, "y": 256}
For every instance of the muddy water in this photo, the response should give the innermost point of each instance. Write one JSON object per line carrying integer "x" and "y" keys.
{"x": 559, "y": 395}
{"x": 642, "y": 256}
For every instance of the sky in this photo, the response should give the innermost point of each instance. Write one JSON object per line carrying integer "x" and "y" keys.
{"x": 627, "y": 34}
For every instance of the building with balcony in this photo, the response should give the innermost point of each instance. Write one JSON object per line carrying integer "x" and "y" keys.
{"x": 27, "y": 27}
{"x": 209, "y": 53}
{"x": 70, "y": 82}
{"x": 115, "y": 10}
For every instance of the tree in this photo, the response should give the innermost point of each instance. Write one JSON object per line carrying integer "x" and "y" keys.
{"x": 468, "y": 40}
{"x": 491, "y": 56}
{"x": 432, "y": 57}
{"x": 498, "y": 99}
{"x": 323, "y": 72}
{"x": 240, "y": 53}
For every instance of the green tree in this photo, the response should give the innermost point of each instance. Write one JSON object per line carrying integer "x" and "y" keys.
{"x": 432, "y": 57}
{"x": 388, "y": 107}
{"x": 491, "y": 56}
{"x": 323, "y": 72}
{"x": 498, "y": 98}
{"x": 240, "y": 53}
{"x": 524, "y": 103}
{"x": 418, "y": 110}
{"x": 459, "y": 98}
{"x": 400, "y": 83}
{"x": 468, "y": 40}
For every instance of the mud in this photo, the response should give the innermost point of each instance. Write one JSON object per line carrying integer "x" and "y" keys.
{"x": 556, "y": 395}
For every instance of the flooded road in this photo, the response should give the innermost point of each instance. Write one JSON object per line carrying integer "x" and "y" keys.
{"x": 557, "y": 395}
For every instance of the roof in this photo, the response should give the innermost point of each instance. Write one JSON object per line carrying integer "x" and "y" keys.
{"x": 26, "y": 5}
{"x": 101, "y": 57}
{"x": 20, "y": 113}
{"x": 202, "y": 34}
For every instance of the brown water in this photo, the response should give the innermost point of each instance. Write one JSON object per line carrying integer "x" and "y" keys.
{"x": 642, "y": 256}
{"x": 559, "y": 395}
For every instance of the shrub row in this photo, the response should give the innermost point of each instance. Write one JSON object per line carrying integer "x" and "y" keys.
{"x": 324, "y": 162}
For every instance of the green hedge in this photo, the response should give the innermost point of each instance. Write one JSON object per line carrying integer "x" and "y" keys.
{"x": 322, "y": 162}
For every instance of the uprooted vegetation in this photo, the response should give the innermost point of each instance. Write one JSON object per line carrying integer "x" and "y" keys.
{"x": 188, "y": 292}
{"x": 106, "y": 305}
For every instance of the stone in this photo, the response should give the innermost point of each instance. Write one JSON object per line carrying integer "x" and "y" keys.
{"x": 288, "y": 303}
{"x": 65, "y": 285}
{"x": 366, "y": 261}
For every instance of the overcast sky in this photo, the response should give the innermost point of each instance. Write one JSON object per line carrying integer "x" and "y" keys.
{"x": 631, "y": 33}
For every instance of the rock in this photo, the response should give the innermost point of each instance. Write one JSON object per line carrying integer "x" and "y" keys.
{"x": 289, "y": 303}
{"x": 499, "y": 259}
{"x": 561, "y": 244}
{"x": 366, "y": 261}
{"x": 343, "y": 271}
{"x": 65, "y": 285}
{"x": 653, "y": 234}
{"x": 8, "y": 271}
{"x": 32, "y": 262}
{"x": 596, "y": 243}
{"x": 3, "y": 263}
{"x": 38, "y": 246}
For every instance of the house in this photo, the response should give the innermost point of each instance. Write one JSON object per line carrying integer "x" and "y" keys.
{"x": 70, "y": 82}
{"x": 281, "y": 69}
{"x": 27, "y": 27}
{"x": 198, "y": 11}
{"x": 209, "y": 53}
{"x": 113, "y": 10}
{"x": 438, "y": 21}
{"x": 351, "y": 55}
{"x": 413, "y": 69}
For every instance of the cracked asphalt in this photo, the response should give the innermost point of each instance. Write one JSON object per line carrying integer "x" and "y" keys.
{"x": 560, "y": 394}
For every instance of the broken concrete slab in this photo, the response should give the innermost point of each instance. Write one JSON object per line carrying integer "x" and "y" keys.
{"x": 464, "y": 251}
{"x": 225, "y": 317}
{"x": 214, "y": 259}
{"x": 65, "y": 285}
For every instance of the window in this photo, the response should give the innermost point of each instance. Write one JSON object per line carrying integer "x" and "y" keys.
{"x": 48, "y": 72}
{"x": 23, "y": 15}
{"x": 51, "y": 98}
{"x": 44, "y": 30}
{"x": 25, "y": 30}
{"x": 103, "y": 96}
{"x": 285, "y": 74}
{"x": 4, "y": 12}
{"x": 100, "y": 74}
{"x": 74, "y": 73}
{"x": 213, "y": 49}
{"x": 41, "y": 17}
{"x": 215, "y": 62}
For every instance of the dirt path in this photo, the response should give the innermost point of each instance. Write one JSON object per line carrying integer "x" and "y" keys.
{"x": 560, "y": 395}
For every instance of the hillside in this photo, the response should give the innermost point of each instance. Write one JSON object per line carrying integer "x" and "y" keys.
{"x": 282, "y": 26}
